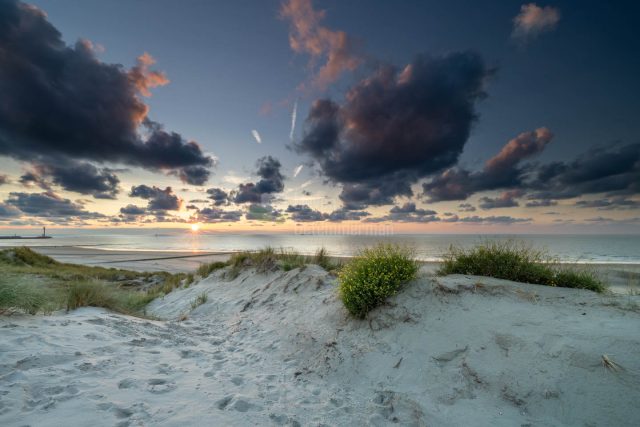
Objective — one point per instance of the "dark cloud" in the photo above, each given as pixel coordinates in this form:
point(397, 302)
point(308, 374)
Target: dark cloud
point(218, 195)
point(407, 213)
point(194, 175)
point(32, 177)
point(132, 210)
point(396, 126)
point(541, 203)
point(271, 182)
point(80, 177)
point(9, 211)
point(60, 103)
point(618, 203)
point(505, 200)
point(614, 170)
point(217, 215)
point(500, 172)
point(466, 207)
point(4, 179)
point(49, 205)
point(344, 214)
point(303, 213)
point(159, 199)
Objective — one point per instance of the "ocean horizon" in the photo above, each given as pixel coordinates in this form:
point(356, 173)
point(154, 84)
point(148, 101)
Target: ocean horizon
point(569, 248)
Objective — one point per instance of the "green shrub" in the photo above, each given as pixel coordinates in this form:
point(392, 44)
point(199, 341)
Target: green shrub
point(377, 273)
point(511, 260)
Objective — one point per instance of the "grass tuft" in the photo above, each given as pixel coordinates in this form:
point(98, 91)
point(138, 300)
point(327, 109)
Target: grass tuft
point(200, 299)
point(206, 269)
point(34, 283)
point(518, 262)
point(377, 273)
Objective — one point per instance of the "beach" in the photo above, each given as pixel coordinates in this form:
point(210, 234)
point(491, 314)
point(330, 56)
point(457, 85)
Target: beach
point(278, 348)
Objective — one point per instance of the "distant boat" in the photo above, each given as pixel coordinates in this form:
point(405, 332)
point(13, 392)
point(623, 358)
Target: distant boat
point(42, 236)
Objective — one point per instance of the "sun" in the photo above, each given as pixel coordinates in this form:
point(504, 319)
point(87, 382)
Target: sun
point(195, 227)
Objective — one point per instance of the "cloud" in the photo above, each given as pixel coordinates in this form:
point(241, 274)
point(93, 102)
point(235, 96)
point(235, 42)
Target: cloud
point(396, 126)
point(4, 179)
point(256, 136)
point(534, 20)
point(79, 108)
point(614, 170)
point(218, 195)
point(541, 203)
point(194, 175)
point(159, 199)
point(49, 205)
point(466, 207)
point(294, 115)
point(9, 211)
point(303, 213)
point(501, 171)
point(272, 181)
point(342, 214)
point(407, 213)
point(505, 200)
point(217, 215)
point(263, 212)
point(297, 170)
point(133, 210)
point(80, 177)
point(334, 49)
point(618, 203)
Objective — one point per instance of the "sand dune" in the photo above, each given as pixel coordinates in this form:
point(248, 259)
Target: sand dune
point(279, 349)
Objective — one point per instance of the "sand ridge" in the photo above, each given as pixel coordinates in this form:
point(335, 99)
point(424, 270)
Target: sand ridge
point(279, 349)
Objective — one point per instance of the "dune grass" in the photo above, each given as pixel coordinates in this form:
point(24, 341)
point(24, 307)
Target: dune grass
point(373, 276)
point(516, 261)
point(268, 259)
point(35, 283)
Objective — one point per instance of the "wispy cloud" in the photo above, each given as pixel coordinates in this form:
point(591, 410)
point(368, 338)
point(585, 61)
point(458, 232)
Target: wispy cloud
point(534, 20)
point(294, 115)
point(256, 136)
point(297, 170)
point(334, 48)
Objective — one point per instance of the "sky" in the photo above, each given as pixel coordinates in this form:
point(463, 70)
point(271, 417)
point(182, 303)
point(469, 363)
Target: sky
point(283, 115)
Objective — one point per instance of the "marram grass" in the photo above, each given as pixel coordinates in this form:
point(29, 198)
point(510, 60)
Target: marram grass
point(512, 260)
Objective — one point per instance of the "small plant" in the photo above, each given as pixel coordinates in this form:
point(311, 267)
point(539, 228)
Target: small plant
point(206, 269)
point(377, 273)
point(518, 262)
point(200, 299)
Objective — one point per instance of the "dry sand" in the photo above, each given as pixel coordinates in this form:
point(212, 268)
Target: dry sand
point(279, 349)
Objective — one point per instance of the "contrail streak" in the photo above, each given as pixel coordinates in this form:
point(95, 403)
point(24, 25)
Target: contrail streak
point(297, 170)
point(294, 114)
point(256, 135)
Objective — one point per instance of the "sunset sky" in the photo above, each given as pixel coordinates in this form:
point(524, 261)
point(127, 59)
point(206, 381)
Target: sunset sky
point(459, 116)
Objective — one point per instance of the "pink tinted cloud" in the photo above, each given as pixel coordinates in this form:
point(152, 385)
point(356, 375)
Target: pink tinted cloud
point(334, 49)
point(534, 20)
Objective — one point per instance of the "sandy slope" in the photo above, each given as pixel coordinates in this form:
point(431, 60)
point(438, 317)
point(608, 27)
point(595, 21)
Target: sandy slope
point(278, 349)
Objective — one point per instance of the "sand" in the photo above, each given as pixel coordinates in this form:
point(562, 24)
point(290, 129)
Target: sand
point(279, 349)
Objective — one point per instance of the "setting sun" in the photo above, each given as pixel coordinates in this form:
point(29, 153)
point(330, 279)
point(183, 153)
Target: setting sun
point(195, 227)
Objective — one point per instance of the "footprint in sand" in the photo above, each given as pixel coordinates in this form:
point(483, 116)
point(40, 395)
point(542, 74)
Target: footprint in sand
point(236, 403)
point(158, 385)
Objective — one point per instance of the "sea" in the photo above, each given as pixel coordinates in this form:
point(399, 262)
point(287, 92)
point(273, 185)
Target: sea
point(596, 249)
